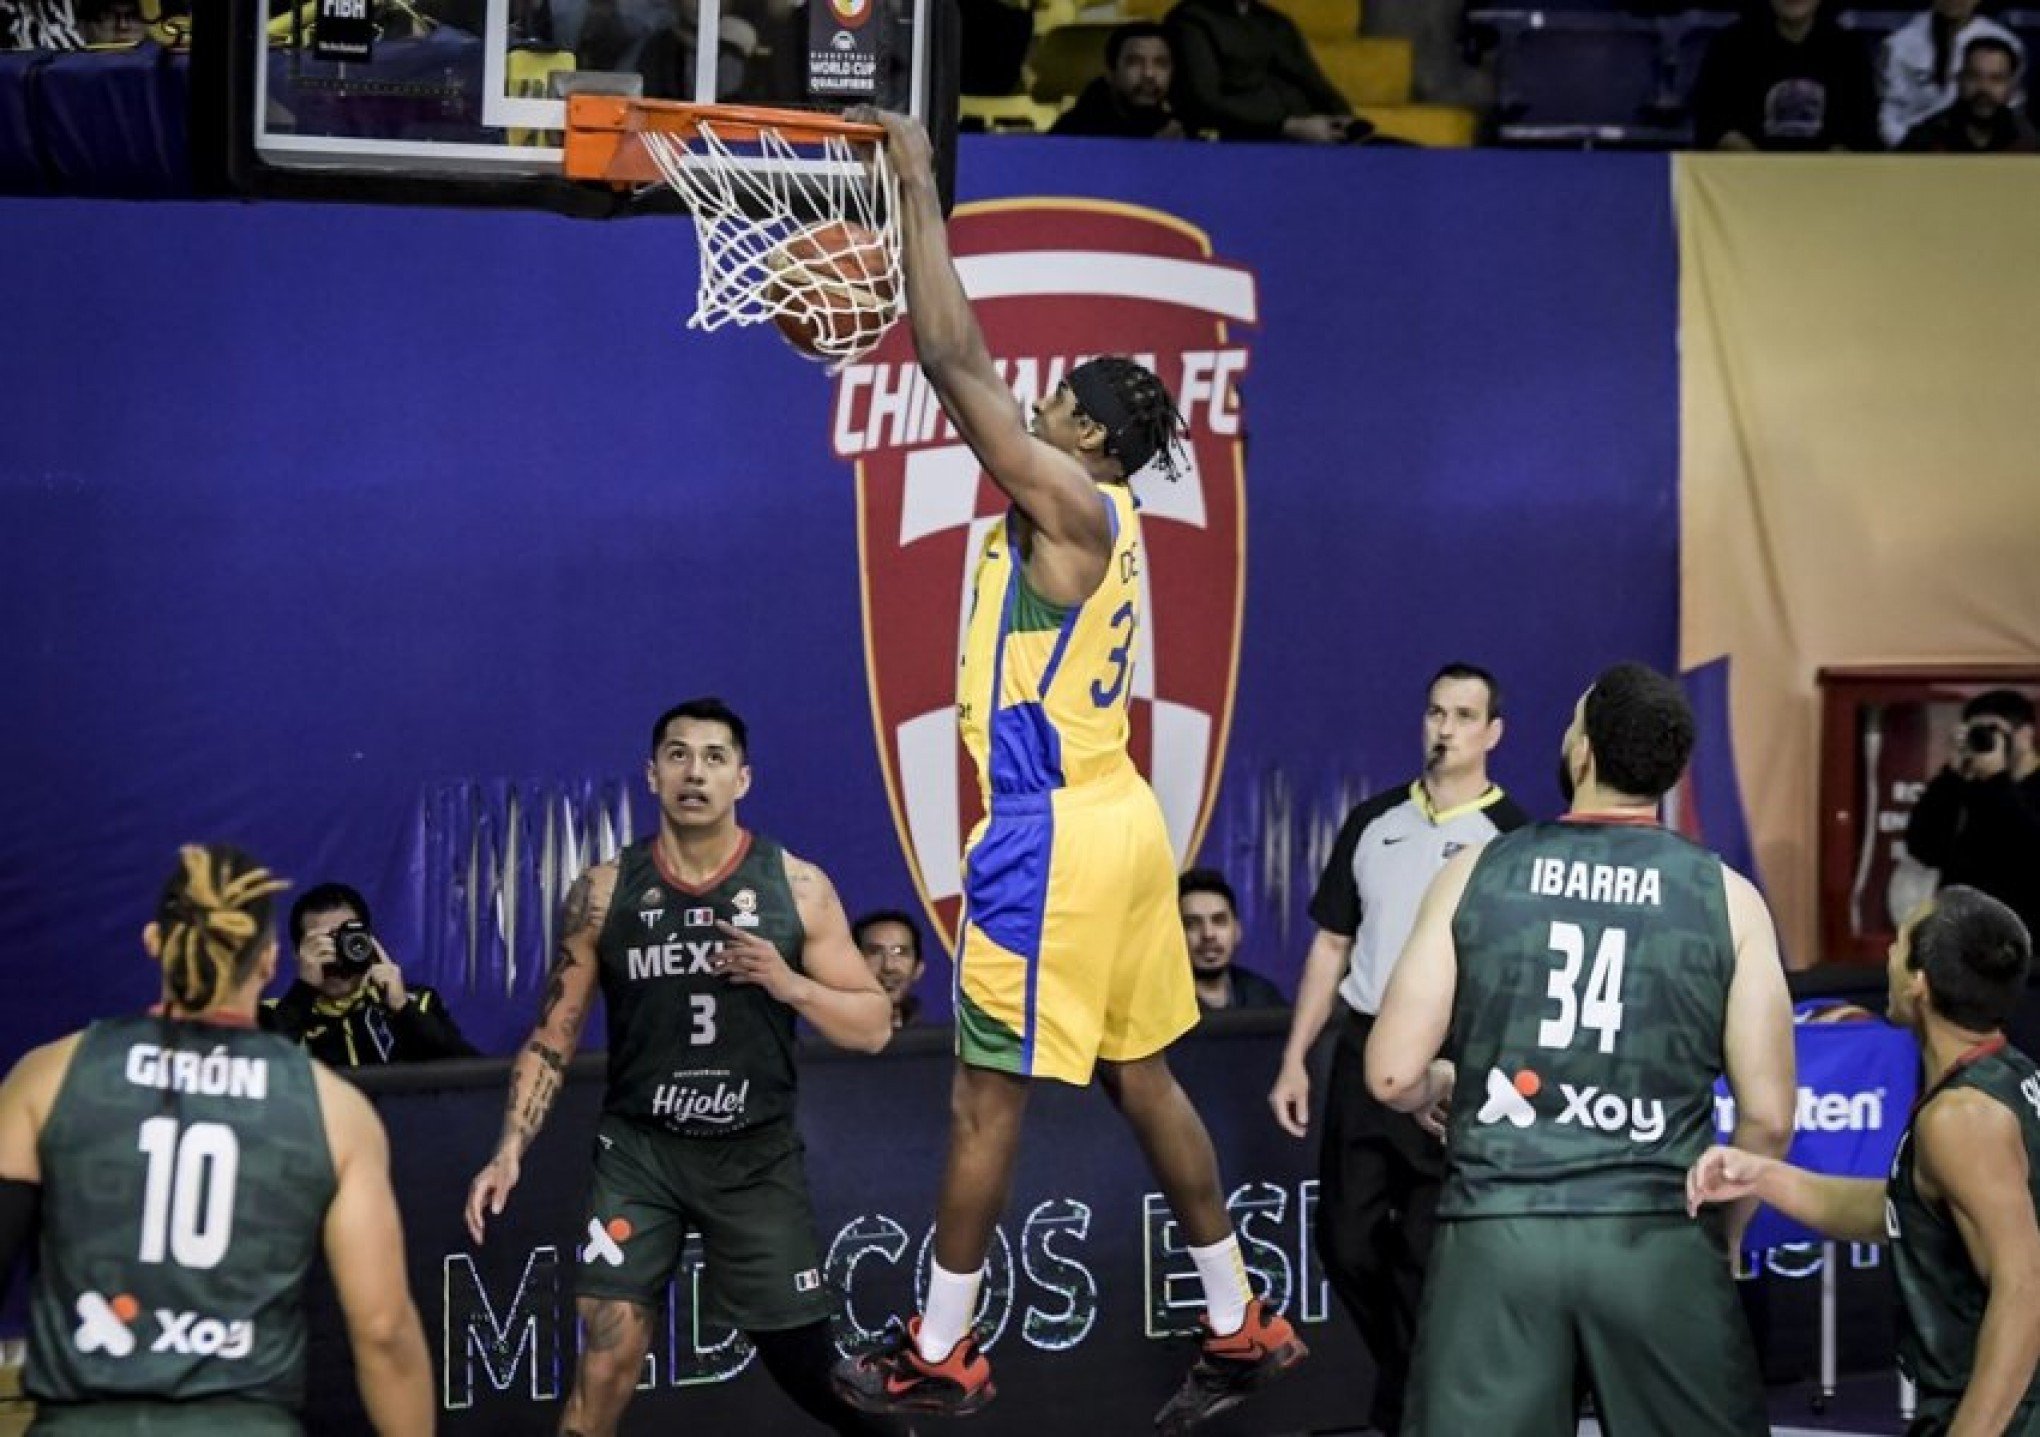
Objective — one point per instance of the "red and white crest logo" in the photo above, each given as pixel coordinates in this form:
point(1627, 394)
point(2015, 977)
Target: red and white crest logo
point(1053, 282)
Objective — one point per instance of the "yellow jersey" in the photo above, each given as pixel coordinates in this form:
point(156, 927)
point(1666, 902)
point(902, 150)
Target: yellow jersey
point(1042, 696)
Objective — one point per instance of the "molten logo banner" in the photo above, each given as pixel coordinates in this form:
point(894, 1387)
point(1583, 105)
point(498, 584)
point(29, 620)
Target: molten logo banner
point(1053, 282)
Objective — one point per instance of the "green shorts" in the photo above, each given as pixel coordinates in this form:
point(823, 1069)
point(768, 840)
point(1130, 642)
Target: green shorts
point(201, 1417)
point(1521, 1313)
point(745, 1194)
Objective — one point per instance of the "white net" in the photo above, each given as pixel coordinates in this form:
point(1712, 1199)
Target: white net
point(808, 242)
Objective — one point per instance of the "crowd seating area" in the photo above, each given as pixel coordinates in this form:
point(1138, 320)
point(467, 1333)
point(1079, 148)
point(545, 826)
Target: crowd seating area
point(1587, 74)
point(1374, 73)
point(1597, 75)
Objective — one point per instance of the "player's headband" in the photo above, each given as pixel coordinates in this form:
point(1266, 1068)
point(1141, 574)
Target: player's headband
point(1096, 396)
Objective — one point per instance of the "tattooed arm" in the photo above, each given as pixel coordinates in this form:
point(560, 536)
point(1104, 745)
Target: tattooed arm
point(541, 1067)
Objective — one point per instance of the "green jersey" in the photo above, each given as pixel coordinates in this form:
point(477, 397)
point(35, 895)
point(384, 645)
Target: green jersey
point(1594, 966)
point(185, 1180)
point(689, 1051)
point(1941, 1297)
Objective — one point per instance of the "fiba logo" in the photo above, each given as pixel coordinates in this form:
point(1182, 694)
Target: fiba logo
point(850, 13)
point(1054, 282)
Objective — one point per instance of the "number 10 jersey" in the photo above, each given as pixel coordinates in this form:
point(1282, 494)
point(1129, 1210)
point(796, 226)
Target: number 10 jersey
point(185, 1177)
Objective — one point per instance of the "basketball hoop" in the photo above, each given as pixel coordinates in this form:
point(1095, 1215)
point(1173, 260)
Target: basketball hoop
point(796, 213)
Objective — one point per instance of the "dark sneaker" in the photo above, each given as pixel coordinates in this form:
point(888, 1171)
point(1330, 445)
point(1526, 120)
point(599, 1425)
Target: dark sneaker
point(896, 1379)
point(1232, 1368)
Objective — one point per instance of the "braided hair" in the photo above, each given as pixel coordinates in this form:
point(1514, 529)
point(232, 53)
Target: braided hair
point(214, 920)
point(1139, 417)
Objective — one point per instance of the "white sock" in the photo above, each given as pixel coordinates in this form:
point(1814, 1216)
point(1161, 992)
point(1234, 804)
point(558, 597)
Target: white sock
point(952, 1303)
point(1224, 1275)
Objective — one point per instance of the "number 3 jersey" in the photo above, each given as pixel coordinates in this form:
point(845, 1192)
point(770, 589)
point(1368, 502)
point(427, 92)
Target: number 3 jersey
point(185, 1178)
point(690, 1051)
point(1042, 697)
point(1594, 966)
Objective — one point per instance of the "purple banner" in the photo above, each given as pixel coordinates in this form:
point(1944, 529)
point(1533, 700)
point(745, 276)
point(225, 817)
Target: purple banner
point(385, 576)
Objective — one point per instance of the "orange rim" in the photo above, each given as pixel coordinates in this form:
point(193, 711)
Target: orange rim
point(604, 138)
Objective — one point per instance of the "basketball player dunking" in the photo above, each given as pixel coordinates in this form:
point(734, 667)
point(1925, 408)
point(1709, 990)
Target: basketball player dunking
point(1072, 957)
point(188, 1166)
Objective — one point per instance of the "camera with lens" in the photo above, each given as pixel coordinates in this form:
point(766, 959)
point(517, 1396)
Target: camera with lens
point(1983, 737)
point(353, 950)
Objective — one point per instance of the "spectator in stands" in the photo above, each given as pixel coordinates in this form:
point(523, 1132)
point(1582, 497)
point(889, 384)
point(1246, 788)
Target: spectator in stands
point(1211, 926)
point(1131, 99)
point(1978, 820)
point(1244, 70)
point(1918, 67)
point(1786, 78)
point(350, 1006)
point(891, 943)
point(111, 23)
point(1981, 121)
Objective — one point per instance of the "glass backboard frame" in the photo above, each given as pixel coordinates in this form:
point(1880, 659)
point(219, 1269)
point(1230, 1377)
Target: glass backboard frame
point(285, 161)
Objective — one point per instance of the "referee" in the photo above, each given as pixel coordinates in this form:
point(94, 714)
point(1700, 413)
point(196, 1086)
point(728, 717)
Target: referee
point(1378, 1172)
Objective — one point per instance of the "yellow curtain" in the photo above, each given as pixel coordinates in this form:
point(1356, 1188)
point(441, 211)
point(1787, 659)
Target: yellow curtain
point(1860, 445)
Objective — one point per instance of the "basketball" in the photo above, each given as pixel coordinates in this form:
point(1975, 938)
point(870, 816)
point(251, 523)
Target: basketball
point(833, 287)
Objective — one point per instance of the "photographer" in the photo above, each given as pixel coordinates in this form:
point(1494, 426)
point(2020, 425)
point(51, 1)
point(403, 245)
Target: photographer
point(1978, 821)
point(350, 1006)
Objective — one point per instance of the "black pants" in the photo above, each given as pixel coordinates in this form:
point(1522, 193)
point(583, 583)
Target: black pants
point(1378, 1180)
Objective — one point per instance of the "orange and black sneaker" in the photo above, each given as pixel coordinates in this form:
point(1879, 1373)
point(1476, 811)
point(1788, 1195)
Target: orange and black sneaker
point(1232, 1368)
point(895, 1379)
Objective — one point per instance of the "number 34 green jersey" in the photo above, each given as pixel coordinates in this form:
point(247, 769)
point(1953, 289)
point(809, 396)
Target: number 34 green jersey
point(1594, 965)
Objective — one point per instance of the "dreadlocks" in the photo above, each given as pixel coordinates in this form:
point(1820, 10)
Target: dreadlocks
point(214, 918)
point(1140, 418)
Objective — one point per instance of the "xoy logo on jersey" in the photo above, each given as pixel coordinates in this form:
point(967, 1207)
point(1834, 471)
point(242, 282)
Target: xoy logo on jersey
point(103, 1325)
point(1508, 1099)
point(1641, 1120)
point(108, 1325)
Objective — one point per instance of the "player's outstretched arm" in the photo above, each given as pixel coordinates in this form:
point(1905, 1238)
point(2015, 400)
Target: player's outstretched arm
point(1048, 485)
point(364, 1241)
point(540, 1070)
point(835, 989)
point(1416, 1012)
point(1845, 1209)
point(1970, 1149)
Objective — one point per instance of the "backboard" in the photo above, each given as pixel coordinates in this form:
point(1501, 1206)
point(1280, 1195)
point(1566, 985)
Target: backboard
point(465, 100)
